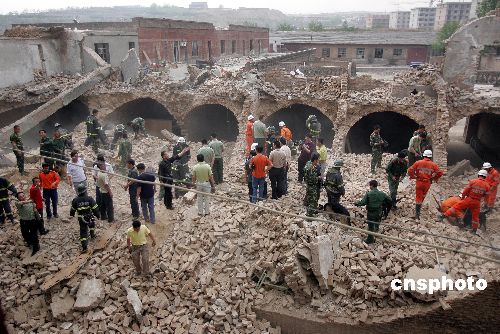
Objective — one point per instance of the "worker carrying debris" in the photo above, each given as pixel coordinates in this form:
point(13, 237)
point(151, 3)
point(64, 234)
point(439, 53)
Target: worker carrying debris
point(138, 125)
point(95, 134)
point(249, 135)
point(334, 185)
point(118, 133)
point(312, 178)
point(396, 171)
point(5, 209)
point(425, 172)
point(65, 135)
point(493, 179)
point(18, 148)
point(374, 200)
point(377, 144)
point(285, 132)
point(86, 210)
point(471, 197)
point(314, 127)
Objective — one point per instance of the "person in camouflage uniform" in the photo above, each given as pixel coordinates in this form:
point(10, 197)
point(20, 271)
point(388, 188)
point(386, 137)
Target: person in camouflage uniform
point(124, 150)
point(334, 185)
point(66, 135)
point(59, 147)
point(118, 134)
point(93, 132)
point(312, 178)
point(373, 200)
point(377, 144)
point(18, 148)
point(271, 137)
point(314, 127)
point(396, 171)
point(46, 148)
point(138, 125)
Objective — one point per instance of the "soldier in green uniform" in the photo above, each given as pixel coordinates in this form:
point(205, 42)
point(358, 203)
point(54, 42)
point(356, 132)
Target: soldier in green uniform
point(46, 148)
point(124, 150)
point(396, 171)
point(138, 125)
point(58, 149)
point(66, 135)
point(118, 134)
point(18, 148)
point(377, 144)
point(334, 185)
point(374, 200)
point(271, 137)
point(314, 127)
point(93, 127)
point(312, 178)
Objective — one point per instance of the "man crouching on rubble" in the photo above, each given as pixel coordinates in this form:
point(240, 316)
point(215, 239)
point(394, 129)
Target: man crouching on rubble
point(138, 248)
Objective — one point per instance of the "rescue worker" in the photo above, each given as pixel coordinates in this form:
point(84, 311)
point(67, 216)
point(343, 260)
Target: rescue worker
point(118, 134)
point(259, 132)
point(285, 132)
point(66, 135)
point(218, 165)
point(124, 150)
point(493, 179)
point(93, 131)
point(5, 209)
point(180, 168)
point(18, 148)
point(426, 142)
point(165, 175)
point(307, 148)
point(425, 172)
point(138, 125)
point(455, 218)
point(248, 135)
point(59, 147)
point(396, 171)
point(374, 200)
point(312, 178)
point(271, 138)
point(377, 144)
point(313, 127)
point(86, 210)
point(415, 148)
point(46, 148)
point(334, 185)
point(471, 196)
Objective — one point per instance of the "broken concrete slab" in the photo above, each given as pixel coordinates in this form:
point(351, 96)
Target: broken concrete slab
point(322, 257)
point(60, 307)
point(134, 302)
point(415, 273)
point(89, 295)
point(129, 67)
point(459, 168)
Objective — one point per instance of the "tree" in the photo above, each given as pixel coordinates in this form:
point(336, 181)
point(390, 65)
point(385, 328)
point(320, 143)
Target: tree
point(446, 31)
point(315, 26)
point(485, 6)
point(285, 27)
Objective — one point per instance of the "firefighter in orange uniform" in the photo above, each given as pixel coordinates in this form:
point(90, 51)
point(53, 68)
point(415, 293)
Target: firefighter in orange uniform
point(476, 190)
point(249, 134)
point(285, 131)
point(424, 171)
point(493, 179)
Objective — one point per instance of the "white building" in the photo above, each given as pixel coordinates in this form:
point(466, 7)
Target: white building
point(473, 8)
point(399, 20)
point(422, 18)
point(451, 12)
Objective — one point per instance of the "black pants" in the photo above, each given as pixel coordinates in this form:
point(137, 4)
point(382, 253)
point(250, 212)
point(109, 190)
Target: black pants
point(301, 164)
point(134, 204)
point(86, 226)
point(5, 211)
point(167, 195)
point(41, 223)
point(285, 180)
point(50, 196)
point(276, 178)
point(29, 231)
point(334, 201)
point(106, 207)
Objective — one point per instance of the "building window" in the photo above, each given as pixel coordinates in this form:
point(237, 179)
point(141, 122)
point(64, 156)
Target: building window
point(102, 49)
point(360, 53)
point(233, 46)
point(342, 53)
point(194, 48)
point(251, 44)
point(397, 52)
point(379, 53)
point(222, 47)
point(325, 53)
point(131, 45)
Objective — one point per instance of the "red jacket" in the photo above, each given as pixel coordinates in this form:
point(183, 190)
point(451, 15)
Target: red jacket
point(425, 170)
point(36, 197)
point(476, 189)
point(48, 179)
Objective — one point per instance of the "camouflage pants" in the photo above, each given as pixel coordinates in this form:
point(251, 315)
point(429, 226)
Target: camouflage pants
point(393, 189)
point(376, 160)
point(20, 162)
point(311, 201)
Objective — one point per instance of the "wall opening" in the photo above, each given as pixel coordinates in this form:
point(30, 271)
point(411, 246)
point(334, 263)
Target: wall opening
point(11, 116)
point(481, 133)
point(206, 119)
point(457, 148)
point(397, 130)
point(154, 113)
point(295, 117)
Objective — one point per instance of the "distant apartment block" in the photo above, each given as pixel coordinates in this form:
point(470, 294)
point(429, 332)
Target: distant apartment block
point(422, 18)
point(473, 9)
point(377, 21)
point(399, 20)
point(198, 5)
point(451, 12)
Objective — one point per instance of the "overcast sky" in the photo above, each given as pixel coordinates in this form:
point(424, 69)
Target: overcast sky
point(286, 6)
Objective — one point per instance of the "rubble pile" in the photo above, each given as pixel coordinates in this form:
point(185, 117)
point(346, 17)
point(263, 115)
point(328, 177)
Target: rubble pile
point(32, 32)
point(424, 75)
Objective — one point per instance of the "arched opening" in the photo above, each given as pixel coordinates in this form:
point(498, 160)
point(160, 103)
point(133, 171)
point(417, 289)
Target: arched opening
point(11, 116)
point(457, 148)
point(154, 113)
point(295, 117)
point(206, 119)
point(397, 130)
point(68, 116)
point(481, 133)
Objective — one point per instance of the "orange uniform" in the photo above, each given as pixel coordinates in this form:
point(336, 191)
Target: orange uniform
point(48, 179)
point(450, 202)
point(249, 136)
point(493, 179)
point(286, 133)
point(424, 171)
point(472, 194)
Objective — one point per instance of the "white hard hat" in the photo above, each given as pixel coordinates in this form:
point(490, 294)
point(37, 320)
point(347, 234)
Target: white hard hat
point(427, 153)
point(281, 123)
point(250, 117)
point(487, 165)
point(181, 140)
point(482, 172)
point(254, 146)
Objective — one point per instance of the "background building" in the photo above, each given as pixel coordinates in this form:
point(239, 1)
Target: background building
point(422, 18)
point(198, 5)
point(377, 21)
point(473, 9)
point(399, 20)
point(451, 12)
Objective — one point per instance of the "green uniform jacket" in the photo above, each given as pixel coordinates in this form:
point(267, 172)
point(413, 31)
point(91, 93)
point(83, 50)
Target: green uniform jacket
point(373, 200)
point(125, 150)
point(46, 147)
point(58, 146)
point(396, 168)
point(375, 140)
point(334, 182)
point(19, 142)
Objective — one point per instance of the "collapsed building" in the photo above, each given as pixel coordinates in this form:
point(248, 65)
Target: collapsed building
point(244, 269)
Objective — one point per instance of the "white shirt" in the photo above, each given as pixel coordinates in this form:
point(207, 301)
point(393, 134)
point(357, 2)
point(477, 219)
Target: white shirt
point(76, 171)
point(96, 169)
point(287, 151)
